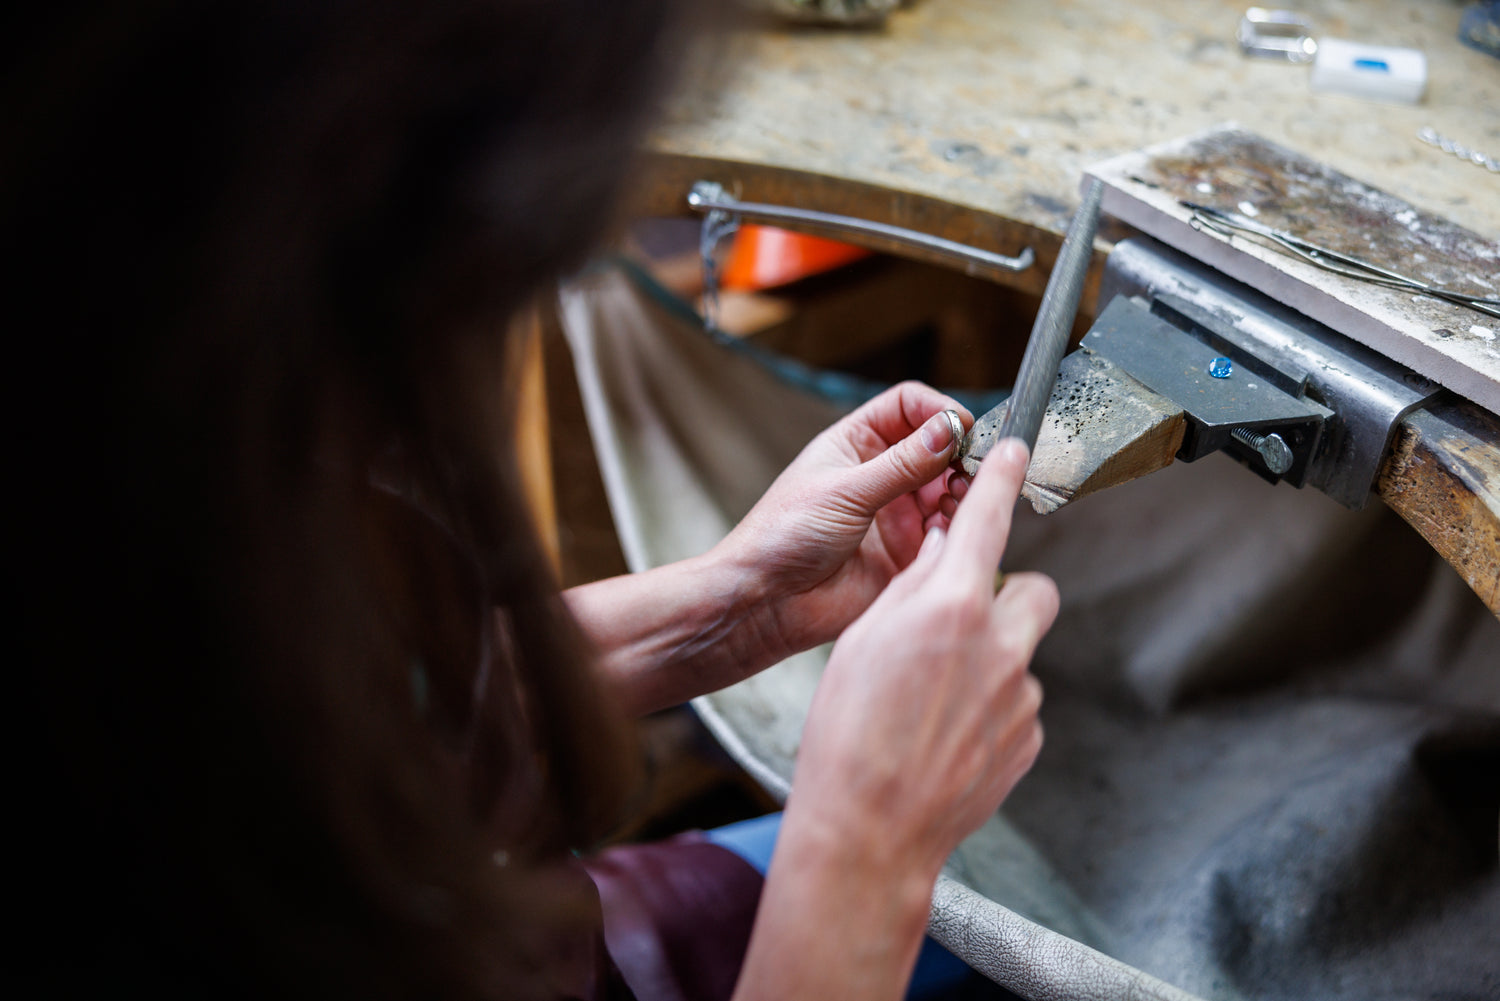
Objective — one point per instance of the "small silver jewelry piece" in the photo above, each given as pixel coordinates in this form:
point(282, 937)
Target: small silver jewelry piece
point(1431, 137)
point(955, 425)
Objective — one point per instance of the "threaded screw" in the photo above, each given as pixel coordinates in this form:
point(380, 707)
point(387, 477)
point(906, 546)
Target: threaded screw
point(1275, 453)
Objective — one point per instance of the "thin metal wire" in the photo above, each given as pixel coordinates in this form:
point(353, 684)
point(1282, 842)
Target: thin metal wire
point(1227, 224)
point(710, 197)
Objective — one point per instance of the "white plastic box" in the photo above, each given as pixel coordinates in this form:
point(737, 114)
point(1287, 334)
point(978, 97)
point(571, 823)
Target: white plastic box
point(1379, 72)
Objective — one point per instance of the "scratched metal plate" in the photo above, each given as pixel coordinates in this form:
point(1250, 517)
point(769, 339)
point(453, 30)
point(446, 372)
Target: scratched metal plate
point(1240, 172)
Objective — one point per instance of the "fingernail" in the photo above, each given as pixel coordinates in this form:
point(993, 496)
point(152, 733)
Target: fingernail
point(1015, 450)
point(958, 486)
point(933, 542)
point(937, 433)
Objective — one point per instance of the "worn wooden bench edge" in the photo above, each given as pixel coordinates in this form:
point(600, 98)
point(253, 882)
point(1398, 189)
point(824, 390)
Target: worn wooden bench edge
point(1443, 477)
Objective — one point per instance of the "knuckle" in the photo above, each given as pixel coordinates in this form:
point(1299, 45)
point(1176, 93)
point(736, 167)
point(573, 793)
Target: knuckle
point(1049, 599)
point(894, 472)
point(1038, 594)
point(947, 621)
point(957, 611)
point(977, 759)
point(906, 466)
point(1013, 653)
point(970, 609)
point(1031, 749)
point(1031, 695)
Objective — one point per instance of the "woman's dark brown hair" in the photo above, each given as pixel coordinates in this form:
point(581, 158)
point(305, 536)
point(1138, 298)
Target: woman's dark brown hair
point(306, 716)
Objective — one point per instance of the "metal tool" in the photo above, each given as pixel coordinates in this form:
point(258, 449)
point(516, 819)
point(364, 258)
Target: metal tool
point(1334, 404)
point(1021, 415)
point(1272, 448)
point(1294, 400)
point(710, 197)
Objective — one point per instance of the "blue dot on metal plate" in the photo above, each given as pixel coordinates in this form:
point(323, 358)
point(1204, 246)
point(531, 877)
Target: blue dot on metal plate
point(1220, 368)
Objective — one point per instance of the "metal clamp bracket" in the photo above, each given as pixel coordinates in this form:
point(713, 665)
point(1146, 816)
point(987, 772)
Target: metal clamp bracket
point(1334, 402)
point(1173, 362)
point(709, 196)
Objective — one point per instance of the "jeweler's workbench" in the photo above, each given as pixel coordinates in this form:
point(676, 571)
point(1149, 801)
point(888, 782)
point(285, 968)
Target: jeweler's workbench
point(974, 120)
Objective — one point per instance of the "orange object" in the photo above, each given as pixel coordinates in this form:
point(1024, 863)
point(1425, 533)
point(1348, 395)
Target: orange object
point(764, 257)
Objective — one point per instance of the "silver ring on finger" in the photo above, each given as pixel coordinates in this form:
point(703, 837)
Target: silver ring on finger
point(955, 425)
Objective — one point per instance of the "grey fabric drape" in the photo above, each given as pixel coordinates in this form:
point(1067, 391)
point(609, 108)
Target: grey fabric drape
point(1272, 766)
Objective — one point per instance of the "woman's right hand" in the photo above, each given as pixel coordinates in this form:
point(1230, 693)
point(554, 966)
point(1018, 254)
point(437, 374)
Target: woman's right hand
point(926, 716)
point(924, 720)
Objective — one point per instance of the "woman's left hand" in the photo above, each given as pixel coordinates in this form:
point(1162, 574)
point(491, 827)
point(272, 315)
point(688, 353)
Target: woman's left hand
point(850, 513)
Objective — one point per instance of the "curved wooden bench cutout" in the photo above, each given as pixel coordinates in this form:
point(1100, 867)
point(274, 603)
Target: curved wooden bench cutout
point(1443, 476)
point(665, 178)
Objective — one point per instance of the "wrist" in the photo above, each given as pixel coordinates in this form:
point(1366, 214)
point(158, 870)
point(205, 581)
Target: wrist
point(666, 635)
point(867, 842)
point(863, 902)
point(757, 599)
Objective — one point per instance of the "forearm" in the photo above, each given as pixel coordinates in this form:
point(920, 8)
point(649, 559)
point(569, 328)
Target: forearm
point(840, 917)
point(678, 631)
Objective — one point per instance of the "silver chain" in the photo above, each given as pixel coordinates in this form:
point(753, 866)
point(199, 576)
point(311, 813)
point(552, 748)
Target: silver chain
point(1431, 137)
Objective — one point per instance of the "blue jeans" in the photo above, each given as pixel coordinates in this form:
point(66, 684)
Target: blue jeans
point(937, 971)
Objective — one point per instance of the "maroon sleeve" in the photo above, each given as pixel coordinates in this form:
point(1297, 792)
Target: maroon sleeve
point(677, 916)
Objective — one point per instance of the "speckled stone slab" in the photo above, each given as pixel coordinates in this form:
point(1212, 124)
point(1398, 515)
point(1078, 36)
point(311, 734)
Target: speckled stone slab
point(1237, 171)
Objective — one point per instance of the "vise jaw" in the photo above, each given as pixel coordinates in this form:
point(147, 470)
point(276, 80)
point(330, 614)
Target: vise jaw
point(1243, 368)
